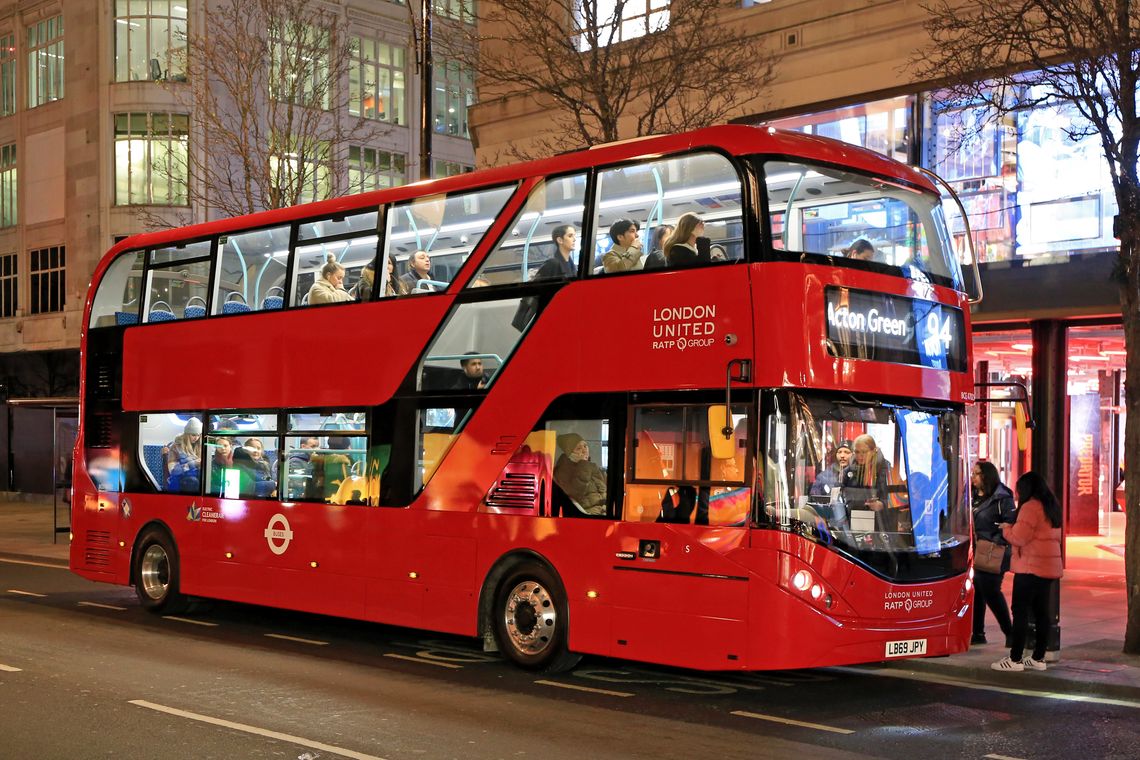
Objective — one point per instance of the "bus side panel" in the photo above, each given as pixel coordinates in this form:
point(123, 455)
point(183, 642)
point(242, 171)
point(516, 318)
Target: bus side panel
point(278, 359)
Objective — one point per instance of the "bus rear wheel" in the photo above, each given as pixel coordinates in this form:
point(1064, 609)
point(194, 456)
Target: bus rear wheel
point(531, 621)
point(156, 573)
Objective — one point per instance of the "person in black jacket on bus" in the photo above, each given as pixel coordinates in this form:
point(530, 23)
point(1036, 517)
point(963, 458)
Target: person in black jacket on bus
point(993, 505)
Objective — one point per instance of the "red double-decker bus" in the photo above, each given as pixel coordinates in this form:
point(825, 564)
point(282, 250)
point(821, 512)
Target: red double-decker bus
point(695, 400)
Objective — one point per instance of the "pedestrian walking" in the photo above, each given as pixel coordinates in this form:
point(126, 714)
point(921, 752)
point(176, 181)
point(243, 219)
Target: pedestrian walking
point(1036, 563)
point(993, 507)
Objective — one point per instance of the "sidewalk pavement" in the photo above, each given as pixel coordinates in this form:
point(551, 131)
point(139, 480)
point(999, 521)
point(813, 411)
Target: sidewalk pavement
point(1092, 614)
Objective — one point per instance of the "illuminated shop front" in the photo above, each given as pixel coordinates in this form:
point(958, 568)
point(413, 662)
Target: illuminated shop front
point(1040, 204)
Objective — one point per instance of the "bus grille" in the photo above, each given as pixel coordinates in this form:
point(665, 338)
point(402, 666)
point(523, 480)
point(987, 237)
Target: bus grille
point(103, 375)
point(98, 551)
point(100, 427)
point(515, 491)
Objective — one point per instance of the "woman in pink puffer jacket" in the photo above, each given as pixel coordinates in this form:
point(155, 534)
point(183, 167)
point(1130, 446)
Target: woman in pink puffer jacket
point(1036, 540)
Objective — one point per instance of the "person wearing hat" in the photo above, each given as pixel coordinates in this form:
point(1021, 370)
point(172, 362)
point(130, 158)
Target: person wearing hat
point(831, 478)
point(582, 480)
point(184, 459)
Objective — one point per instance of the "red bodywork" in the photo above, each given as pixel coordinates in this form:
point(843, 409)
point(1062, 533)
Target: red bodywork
point(714, 598)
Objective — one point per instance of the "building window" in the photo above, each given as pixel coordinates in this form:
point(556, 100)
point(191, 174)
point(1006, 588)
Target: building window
point(151, 159)
point(8, 186)
point(9, 285)
point(441, 168)
point(150, 40)
point(454, 94)
point(376, 84)
point(47, 281)
point(457, 10)
point(606, 22)
point(299, 66)
point(373, 169)
point(7, 75)
point(45, 61)
point(303, 177)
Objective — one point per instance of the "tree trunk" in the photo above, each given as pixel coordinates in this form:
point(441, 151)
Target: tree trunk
point(1129, 304)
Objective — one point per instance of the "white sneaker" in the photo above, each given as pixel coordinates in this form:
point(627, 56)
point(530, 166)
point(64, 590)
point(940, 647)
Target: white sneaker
point(1007, 664)
point(1029, 662)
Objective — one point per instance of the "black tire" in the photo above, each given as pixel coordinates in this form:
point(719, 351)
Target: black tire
point(531, 620)
point(156, 573)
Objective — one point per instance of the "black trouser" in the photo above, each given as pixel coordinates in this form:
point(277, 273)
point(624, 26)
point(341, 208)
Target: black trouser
point(1030, 595)
point(987, 593)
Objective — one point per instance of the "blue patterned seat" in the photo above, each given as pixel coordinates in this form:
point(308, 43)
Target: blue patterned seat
point(273, 302)
point(154, 462)
point(234, 307)
point(126, 318)
point(193, 312)
point(160, 315)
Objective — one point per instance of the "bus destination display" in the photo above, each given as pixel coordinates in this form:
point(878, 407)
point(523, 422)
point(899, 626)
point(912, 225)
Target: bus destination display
point(863, 324)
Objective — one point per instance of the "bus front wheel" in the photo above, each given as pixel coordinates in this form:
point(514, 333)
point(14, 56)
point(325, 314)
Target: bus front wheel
point(156, 573)
point(531, 622)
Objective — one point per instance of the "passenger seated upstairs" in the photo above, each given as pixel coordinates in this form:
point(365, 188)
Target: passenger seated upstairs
point(656, 258)
point(625, 255)
point(685, 247)
point(419, 268)
point(860, 250)
point(582, 480)
point(329, 287)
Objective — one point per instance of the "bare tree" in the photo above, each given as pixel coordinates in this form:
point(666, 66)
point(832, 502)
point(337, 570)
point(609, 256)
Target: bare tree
point(266, 124)
point(583, 60)
point(1085, 55)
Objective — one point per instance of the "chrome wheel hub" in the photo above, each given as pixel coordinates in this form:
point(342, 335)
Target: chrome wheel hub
point(530, 618)
point(154, 572)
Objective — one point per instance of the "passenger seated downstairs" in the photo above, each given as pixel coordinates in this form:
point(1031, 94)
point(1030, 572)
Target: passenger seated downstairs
point(582, 480)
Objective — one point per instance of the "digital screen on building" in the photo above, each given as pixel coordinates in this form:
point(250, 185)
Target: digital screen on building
point(863, 324)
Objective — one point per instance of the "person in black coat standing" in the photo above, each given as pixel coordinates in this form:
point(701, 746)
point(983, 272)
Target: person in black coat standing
point(993, 505)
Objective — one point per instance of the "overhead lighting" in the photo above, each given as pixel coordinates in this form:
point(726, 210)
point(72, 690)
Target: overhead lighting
point(1089, 358)
point(1023, 346)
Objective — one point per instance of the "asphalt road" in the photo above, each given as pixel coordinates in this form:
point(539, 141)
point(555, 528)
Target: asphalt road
point(86, 673)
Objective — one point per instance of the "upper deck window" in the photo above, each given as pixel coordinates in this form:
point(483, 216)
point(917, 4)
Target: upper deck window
point(179, 279)
point(868, 222)
point(544, 239)
point(251, 271)
point(349, 242)
point(653, 197)
point(117, 299)
point(443, 230)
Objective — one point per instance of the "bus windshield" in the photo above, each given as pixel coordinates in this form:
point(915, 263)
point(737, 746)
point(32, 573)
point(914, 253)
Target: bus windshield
point(883, 483)
point(866, 221)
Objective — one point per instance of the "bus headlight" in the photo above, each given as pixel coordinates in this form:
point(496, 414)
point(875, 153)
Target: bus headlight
point(801, 581)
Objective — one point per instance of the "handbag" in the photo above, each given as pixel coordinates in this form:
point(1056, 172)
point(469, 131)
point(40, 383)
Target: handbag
point(988, 556)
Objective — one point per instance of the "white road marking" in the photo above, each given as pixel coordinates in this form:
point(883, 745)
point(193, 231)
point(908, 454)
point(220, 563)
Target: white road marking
point(256, 731)
point(948, 681)
point(9, 669)
point(590, 689)
point(1002, 757)
point(314, 642)
point(790, 722)
point(33, 564)
point(26, 593)
point(101, 606)
point(189, 620)
point(409, 658)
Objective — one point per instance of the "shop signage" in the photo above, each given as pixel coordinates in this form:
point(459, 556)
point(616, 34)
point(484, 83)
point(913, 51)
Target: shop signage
point(863, 324)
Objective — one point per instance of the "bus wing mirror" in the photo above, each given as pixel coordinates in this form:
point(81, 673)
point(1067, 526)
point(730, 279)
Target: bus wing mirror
point(1021, 424)
point(721, 439)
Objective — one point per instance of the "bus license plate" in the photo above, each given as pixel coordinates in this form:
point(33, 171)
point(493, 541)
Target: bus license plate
point(906, 648)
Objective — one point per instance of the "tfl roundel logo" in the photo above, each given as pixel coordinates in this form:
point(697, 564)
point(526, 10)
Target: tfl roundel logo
point(278, 534)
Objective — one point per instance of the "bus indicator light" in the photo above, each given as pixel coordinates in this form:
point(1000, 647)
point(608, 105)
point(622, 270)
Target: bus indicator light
point(591, 594)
